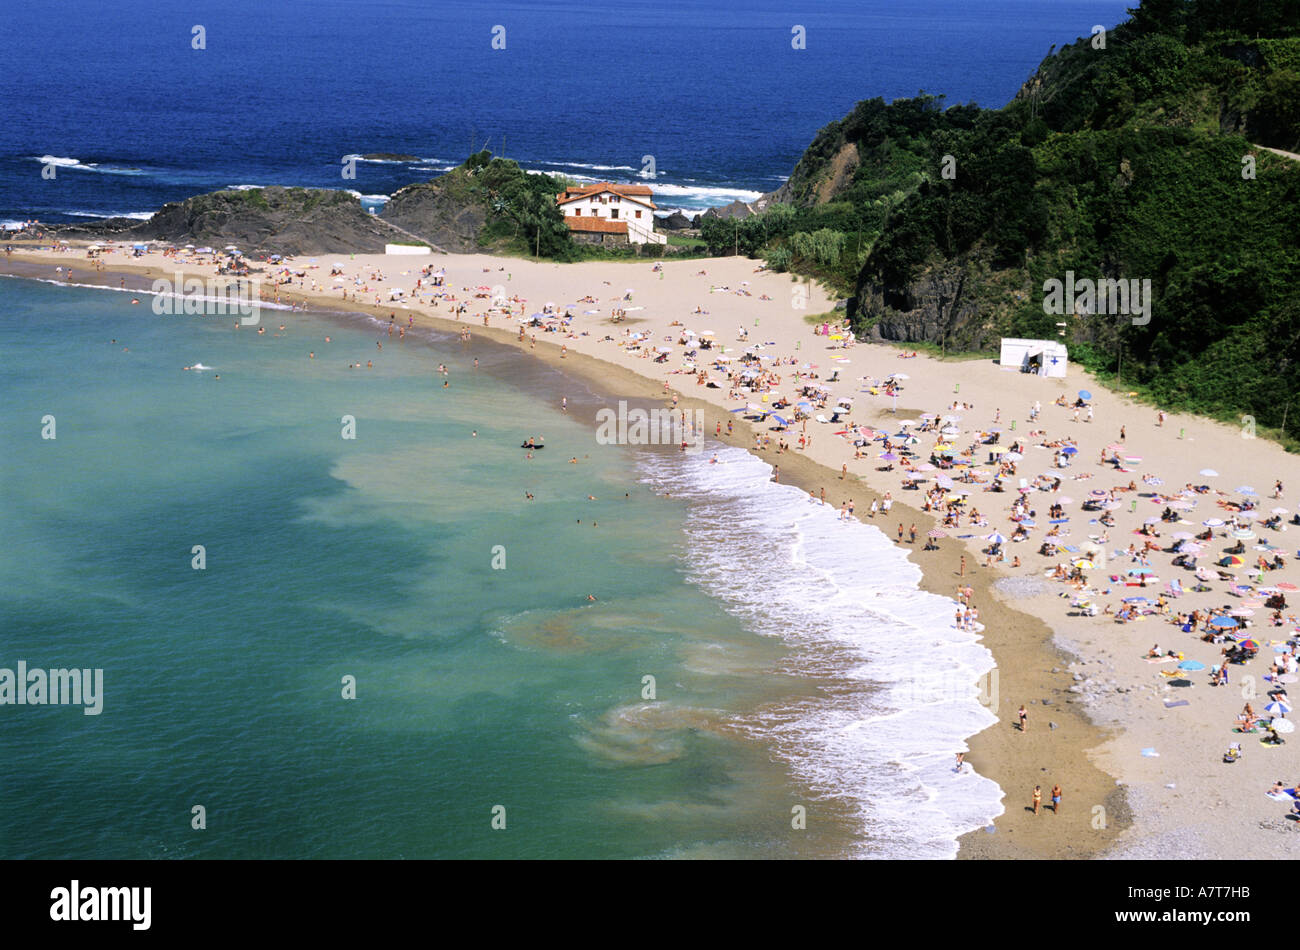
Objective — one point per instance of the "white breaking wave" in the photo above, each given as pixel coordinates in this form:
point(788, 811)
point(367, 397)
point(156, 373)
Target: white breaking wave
point(711, 194)
point(63, 162)
point(136, 215)
point(138, 292)
point(901, 694)
point(599, 168)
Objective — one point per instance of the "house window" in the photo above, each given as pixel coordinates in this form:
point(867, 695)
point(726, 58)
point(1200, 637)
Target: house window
point(577, 212)
point(613, 212)
point(638, 214)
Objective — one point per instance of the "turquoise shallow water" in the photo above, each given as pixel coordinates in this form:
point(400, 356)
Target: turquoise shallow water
point(369, 557)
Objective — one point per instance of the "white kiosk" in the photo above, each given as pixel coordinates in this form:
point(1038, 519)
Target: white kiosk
point(1040, 357)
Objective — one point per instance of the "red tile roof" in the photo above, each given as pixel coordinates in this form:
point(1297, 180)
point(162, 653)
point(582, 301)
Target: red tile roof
point(595, 225)
point(636, 192)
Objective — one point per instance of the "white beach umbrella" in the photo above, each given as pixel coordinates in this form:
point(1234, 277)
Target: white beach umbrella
point(1209, 473)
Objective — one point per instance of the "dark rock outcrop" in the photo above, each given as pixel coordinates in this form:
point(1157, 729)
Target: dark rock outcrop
point(440, 214)
point(295, 221)
point(938, 305)
point(673, 222)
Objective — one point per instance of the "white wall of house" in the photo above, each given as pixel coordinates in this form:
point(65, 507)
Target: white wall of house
point(639, 217)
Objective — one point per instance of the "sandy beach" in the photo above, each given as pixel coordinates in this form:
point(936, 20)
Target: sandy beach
point(1136, 745)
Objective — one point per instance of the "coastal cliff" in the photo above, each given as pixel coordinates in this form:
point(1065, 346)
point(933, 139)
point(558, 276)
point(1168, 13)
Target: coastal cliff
point(1159, 154)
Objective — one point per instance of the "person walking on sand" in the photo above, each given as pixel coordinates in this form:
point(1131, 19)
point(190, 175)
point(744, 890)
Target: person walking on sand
point(912, 534)
point(1056, 799)
point(963, 566)
point(900, 532)
point(1038, 798)
point(1023, 716)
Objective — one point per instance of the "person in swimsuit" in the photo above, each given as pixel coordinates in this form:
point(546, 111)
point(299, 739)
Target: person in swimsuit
point(1038, 798)
point(1056, 799)
point(1024, 718)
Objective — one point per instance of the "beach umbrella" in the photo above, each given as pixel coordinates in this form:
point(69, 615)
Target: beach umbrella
point(995, 537)
point(1249, 645)
point(1243, 535)
point(1069, 450)
point(1084, 394)
point(1282, 725)
point(1098, 493)
point(1132, 458)
point(1153, 480)
point(1191, 665)
point(888, 456)
point(1213, 522)
point(1232, 561)
point(1223, 620)
point(1245, 490)
point(1209, 472)
point(1242, 612)
point(1083, 564)
point(1284, 585)
point(1277, 708)
point(1279, 511)
point(936, 533)
point(943, 481)
point(1183, 536)
point(1012, 456)
point(895, 375)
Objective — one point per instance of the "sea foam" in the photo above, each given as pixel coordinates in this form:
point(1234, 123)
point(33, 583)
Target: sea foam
point(900, 693)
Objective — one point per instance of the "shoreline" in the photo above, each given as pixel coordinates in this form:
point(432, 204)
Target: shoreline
point(1021, 645)
point(1035, 658)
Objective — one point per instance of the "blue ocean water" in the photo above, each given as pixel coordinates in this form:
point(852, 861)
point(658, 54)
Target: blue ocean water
point(794, 661)
point(283, 91)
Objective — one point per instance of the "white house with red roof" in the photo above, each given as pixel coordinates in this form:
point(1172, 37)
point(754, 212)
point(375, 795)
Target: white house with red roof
point(605, 213)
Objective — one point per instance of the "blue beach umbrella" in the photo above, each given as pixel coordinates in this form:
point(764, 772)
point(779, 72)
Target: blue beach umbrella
point(1223, 620)
point(1191, 665)
point(1069, 450)
point(1084, 394)
point(779, 419)
point(1277, 708)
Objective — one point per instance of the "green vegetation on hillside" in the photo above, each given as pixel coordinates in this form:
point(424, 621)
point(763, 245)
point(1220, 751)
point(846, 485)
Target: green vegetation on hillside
point(523, 217)
point(1132, 159)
